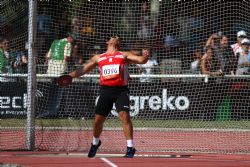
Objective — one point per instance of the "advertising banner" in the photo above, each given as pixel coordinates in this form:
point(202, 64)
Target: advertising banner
point(164, 100)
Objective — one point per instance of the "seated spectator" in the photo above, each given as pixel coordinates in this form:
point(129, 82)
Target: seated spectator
point(18, 58)
point(223, 52)
point(63, 25)
point(75, 27)
point(171, 41)
point(213, 40)
point(44, 22)
point(240, 36)
point(4, 55)
point(59, 54)
point(226, 56)
point(20, 64)
point(76, 57)
point(145, 30)
point(195, 65)
point(6, 62)
point(147, 69)
point(45, 32)
point(243, 55)
point(88, 27)
point(209, 63)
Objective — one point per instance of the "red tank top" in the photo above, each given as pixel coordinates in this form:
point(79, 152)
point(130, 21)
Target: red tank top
point(113, 70)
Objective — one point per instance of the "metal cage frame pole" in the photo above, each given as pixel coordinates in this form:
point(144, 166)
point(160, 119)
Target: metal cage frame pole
point(31, 78)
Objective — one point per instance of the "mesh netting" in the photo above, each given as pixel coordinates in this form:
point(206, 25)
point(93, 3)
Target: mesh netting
point(173, 106)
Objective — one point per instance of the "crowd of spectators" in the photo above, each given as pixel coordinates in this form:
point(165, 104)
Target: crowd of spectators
point(220, 58)
point(13, 58)
point(179, 36)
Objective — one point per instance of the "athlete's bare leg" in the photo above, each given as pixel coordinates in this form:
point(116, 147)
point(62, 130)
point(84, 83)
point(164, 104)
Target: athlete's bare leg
point(98, 125)
point(126, 124)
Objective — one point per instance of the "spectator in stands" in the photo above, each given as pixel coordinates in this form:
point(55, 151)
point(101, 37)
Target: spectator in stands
point(223, 52)
point(226, 56)
point(76, 27)
point(209, 63)
point(213, 40)
point(6, 61)
point(195, 64)
point(44, 22)
point(57, 58)
point(77, 58)
point(76, 55)
point(44, 32)
point(6, 27)
point(20, 60)
point(87, 33)
point(88, 30)
point(191, 27)
point(3, 55)
point(144, 12)
point(59, 54)
point(243, 55)
point(148, 69)
point(63, 25)
point(158, 39)
point(171, 40)
point(240, 36)
point(6, 65)
point(145, 31)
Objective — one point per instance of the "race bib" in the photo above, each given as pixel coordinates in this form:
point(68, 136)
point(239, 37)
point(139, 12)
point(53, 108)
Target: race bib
point(110, 71)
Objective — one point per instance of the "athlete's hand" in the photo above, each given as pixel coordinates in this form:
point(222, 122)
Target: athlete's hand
point(146, 52)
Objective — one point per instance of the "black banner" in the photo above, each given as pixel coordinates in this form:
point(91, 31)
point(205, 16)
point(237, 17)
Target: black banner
point(161, 100)
point(13, 98)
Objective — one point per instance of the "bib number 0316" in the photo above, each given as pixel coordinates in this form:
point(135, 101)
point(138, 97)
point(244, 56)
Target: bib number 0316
point(110, 70)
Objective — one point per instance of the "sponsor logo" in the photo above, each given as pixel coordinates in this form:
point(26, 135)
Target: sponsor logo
point(15, 102)
point(15, 105)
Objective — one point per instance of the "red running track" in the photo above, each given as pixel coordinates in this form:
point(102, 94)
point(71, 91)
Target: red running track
point(48, 159)
point(158, 141)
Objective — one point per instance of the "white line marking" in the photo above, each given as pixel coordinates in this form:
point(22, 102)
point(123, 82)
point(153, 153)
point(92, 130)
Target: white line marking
point(109, 162)
point(108, 155)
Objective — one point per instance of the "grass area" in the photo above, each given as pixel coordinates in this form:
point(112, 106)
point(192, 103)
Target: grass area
point(242, 124)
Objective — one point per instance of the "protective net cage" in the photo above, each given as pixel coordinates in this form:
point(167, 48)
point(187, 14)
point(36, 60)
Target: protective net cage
point(174, 106)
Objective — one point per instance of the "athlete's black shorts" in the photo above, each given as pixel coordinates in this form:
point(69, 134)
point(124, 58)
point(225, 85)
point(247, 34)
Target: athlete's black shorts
point(109, 96)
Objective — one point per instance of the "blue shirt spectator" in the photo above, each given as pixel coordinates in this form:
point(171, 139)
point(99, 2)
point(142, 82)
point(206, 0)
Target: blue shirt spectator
point(44, 22)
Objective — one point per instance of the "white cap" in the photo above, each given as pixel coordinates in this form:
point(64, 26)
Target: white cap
point(245, 40)
point(241, 33)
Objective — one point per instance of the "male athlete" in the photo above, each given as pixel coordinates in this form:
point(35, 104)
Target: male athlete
point(114, 77)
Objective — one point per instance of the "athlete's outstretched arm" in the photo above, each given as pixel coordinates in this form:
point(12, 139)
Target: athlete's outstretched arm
point(137, 59)
point(91, 64)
